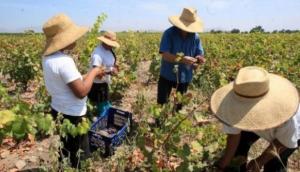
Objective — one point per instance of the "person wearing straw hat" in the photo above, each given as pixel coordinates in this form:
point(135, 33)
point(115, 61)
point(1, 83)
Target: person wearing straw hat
point(104, 56)
point(66, 86)
point(182, 37)
point(257, 105)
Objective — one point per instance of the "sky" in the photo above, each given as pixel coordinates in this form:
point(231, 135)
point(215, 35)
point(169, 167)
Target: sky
point(151, 15)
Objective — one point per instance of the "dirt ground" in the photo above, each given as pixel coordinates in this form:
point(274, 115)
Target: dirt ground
point(141, 85)
point(29, 155)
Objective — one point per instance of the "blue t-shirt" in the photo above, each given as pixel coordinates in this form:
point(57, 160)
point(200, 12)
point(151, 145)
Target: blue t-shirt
point(174, 43)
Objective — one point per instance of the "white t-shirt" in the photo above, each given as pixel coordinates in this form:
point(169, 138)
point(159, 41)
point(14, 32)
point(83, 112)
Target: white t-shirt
point(59, 70)
point(287, 133)
point(105, 58)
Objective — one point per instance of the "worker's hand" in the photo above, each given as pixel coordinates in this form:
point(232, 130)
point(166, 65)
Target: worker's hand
point(188, 60)
point(111, 71)
point(115, 70)
point(200, 59)
point(100, 71)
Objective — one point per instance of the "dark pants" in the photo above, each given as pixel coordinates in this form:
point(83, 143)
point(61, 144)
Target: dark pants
point(71, 144)
point(165, 87)
point(274, 165)
point(99, 93)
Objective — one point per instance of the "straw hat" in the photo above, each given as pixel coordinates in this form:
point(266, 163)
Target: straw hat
point(188, 21)
point(256, 100)
point(110, 38)
point(60, 32)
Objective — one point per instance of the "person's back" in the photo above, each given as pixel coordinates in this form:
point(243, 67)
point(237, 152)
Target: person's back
point(59, 69)
point(66, 86)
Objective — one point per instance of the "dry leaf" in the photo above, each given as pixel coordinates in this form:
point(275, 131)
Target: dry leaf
point(31, 138)
point(174, 162)
point(13, 170)
point(151, 120)
point(8, 142)
point(20, 164)
point(2, 167)
point(33, 159)
point(137, 157)
point(4, 154)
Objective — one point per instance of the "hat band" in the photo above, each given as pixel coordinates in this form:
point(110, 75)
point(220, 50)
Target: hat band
point(251, 97)
point(187, 19)
point(110, 38)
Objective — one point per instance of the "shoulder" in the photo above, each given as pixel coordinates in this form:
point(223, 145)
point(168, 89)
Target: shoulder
point(290, 127)
point(287, 133)
point(297, 118)
point(98, 50)
point(168, 34)
point(58, 57)
point(170, 30)
point(99, 47)
point(196, 36)
point(66, 58)
point(294, 120)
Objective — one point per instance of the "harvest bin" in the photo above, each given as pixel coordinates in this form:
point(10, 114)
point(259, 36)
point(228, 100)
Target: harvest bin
point(110, 130)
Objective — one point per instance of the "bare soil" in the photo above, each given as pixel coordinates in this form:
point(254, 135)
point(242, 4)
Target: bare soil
point(29, 155)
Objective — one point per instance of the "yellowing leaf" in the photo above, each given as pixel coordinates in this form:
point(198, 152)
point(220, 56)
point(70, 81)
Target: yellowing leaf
point(6, 116)
point(196, 147)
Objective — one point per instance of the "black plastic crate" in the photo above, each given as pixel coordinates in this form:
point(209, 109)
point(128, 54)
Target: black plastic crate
point(99, 135)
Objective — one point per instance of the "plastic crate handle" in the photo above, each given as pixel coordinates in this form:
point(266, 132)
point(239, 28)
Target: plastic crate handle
point(120, 112)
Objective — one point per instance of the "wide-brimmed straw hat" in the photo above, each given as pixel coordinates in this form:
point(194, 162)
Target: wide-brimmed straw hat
point(188, 21)
point(110, 38)
point(60, 32)
point(256, 100)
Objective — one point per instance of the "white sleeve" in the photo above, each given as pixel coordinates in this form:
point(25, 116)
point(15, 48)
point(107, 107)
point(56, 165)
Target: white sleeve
point(286, 134)
point(96, 60)
point(230, 130)
point(69, 72)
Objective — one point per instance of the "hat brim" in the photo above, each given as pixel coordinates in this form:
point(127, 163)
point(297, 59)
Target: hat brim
point(253, 114)
point(64, 39)
point(193, 27)
point(109, 42)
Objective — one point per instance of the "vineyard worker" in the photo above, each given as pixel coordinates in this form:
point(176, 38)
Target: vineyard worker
point(180, 38)
point(104, 56)
point(66, 86)
point(257, 105)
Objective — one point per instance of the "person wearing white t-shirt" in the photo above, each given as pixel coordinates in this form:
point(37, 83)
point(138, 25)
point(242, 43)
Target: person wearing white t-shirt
point(257, 105)
point(66, 86)
point(104, 56)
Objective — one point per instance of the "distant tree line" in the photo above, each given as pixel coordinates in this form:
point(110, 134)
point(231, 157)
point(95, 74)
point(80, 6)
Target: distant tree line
point(256, 29)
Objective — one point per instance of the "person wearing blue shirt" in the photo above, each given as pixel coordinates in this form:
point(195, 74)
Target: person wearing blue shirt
point(182, 38)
